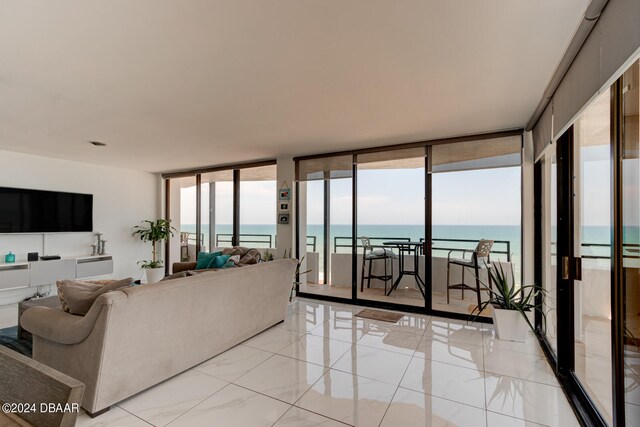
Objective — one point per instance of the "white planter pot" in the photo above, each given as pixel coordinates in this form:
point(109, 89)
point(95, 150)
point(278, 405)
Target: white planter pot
point(510, 325)
point(154, 275)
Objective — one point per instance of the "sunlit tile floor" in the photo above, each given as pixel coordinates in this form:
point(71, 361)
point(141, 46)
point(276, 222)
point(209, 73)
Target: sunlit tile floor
point(325, 367)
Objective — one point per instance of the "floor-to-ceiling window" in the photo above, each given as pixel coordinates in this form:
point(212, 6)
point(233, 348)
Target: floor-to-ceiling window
point(216, 207)
point(471, 193)
point(549, 238)
point(630, 173)
point(186, 222)
point(324, 194)
point(391, 218)
point(476, 196)
point(589, 248)
point(592, 244)
point(258, 200)
point(222, 207)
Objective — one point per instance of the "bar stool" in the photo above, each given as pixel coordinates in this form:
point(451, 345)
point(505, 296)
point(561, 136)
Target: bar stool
point(370, 254)
point(480, 259)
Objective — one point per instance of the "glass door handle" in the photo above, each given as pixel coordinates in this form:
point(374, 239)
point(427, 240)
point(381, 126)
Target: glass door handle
point(577, 268)
point(577, 264)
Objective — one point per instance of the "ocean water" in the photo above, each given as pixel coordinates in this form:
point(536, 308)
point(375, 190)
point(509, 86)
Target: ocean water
point(341, 237)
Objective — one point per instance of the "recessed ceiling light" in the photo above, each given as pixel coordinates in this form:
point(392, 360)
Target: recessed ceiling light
point(98, 143)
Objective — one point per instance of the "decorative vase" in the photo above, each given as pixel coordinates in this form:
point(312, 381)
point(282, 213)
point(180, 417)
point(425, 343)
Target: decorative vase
point(154, 275)
point(510, 325)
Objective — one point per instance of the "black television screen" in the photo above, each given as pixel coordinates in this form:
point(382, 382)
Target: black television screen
point(37, 211)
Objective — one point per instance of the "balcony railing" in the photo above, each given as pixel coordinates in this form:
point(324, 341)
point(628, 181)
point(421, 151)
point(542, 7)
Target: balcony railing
point(629, 250)
point(503, 248)
point(246, 239)
point(187, 237)
point(222, 239)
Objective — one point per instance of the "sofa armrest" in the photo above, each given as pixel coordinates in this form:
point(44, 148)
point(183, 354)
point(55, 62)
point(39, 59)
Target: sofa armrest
point(183, 266)
point(64, 328)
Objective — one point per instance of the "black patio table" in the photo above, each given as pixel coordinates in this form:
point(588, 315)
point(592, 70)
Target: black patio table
point(407, 248)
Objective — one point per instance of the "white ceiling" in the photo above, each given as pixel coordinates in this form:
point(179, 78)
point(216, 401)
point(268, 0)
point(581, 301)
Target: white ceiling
point(170, 85)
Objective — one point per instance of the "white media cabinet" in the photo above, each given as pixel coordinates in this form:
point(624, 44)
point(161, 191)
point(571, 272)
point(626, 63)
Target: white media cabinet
point(24, 274)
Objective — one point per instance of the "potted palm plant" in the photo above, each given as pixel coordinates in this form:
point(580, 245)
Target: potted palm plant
point(155, 232)
point(510, 304)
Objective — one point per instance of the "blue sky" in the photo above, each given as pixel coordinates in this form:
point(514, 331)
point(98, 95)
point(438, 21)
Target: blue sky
point(386, 196)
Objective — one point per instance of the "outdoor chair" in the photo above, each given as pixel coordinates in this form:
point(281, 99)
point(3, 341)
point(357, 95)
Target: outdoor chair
point(370, 255)
point(480, 259)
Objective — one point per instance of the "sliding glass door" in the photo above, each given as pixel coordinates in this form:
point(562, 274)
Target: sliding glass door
point(476, 196)
point(415, 209)
point(324, 189)
point(588, 189)
point(222, 207)
point(391, 227)
point(548, 223)
point(592, 251)
point(216, 205)
point(185, 219)
point(258, 207)
point(630, 244)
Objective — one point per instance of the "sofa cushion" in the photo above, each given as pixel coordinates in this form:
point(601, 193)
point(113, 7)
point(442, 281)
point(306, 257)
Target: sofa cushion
point(77, 296)
point(205, 258)
point(219, 261)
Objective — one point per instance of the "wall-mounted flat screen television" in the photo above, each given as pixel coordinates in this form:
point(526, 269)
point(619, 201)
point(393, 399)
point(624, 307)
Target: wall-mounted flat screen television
point(38, 211)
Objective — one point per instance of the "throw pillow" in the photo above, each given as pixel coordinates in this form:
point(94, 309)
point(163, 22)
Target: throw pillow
point(175, 276)
point(252, 256)
point(219, 261)
point(77, 297)
point(205, 258)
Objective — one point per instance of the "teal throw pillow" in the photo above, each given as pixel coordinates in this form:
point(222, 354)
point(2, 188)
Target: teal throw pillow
point(205, 258)
point(219, 261)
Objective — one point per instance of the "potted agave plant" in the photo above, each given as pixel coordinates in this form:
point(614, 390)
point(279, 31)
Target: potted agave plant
point(155, 232)
point(511, 304)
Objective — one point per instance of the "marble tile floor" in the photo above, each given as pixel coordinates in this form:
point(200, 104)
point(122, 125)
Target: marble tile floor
point(407, 296)
point(325, 367)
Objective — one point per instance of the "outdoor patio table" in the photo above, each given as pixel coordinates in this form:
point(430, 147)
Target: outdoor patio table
point(407, 248)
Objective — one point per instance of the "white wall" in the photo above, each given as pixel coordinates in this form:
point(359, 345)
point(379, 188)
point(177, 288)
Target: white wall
point(121, 199)
point(285, 232)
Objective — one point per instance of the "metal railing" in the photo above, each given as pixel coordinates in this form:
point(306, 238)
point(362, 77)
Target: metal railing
point(223, 239)
point(247, 239)
point(506, 251)
point(311, 243)
point(345, 242)
point(190, 238)
point(338, 242)
point(632, 250)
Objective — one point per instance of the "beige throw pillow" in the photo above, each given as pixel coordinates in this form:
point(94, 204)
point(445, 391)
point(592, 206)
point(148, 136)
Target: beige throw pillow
point(77, 297)
point(178, 275)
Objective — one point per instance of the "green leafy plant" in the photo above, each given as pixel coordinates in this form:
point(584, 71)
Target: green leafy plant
point(268, 256)
point(155, 232)
point(506, 295)
point(150, 264)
